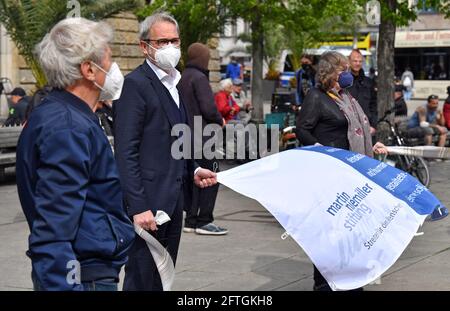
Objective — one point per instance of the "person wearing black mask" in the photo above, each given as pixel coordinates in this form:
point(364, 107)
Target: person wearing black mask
point(305, 78)
point(363, 89)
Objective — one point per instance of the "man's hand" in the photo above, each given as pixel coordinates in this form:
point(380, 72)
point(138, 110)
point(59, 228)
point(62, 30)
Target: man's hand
point(232, 111)
point(248, 105)
point(205, 178)
point(145, 220)
point(372, 131)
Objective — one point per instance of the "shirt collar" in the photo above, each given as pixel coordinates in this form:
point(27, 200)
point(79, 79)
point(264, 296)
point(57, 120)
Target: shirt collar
point(173, 76)
point(68, 98)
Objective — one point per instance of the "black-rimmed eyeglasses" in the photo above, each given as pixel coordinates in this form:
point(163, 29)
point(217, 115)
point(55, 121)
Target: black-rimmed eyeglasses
point(163, 42)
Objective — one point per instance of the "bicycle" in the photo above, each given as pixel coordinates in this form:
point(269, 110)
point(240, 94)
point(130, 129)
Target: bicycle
point(415, 166)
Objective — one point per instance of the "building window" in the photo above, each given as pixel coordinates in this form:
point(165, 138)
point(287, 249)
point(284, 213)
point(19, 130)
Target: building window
point(230, 30)
point(246, 27)
point(234, 28)
point(425, 63)
point(423, 7)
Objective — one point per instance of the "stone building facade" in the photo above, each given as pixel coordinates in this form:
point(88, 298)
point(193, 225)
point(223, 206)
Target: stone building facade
point(125, 48)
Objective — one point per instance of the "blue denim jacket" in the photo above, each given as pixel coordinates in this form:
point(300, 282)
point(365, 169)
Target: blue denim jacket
point(70, 193)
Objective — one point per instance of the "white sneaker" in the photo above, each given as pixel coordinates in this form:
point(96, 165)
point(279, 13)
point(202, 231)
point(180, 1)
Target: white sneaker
point(188, 230)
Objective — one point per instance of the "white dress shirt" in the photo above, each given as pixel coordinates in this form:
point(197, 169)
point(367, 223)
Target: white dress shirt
point(169, 80)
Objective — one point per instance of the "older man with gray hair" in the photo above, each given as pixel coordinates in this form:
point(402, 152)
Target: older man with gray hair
point(152, 178)
point(67, 179)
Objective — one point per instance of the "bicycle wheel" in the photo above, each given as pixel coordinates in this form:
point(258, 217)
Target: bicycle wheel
point(419, 169)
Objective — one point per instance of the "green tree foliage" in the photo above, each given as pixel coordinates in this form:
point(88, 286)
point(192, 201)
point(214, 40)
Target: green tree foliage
point(312, 22)
point(27, 22)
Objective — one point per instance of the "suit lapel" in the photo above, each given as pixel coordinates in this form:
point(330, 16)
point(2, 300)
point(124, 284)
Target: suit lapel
point(162, 92)
point(186, 111)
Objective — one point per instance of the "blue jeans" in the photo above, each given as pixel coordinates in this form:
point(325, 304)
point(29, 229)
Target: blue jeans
point(407, 95)
point(99, 286)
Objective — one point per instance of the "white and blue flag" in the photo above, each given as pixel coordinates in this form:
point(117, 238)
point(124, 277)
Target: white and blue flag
point(352, 215)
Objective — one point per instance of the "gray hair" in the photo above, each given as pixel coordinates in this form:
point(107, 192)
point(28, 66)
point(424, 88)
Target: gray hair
point(225, 83)
point(149, 21)
point(329, 64)
point(71, 42)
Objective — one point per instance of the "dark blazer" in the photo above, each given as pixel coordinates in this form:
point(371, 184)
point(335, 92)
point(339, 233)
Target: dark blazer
point(321, 121)
point(363, 90)
point(143, 119)
point(198, 96)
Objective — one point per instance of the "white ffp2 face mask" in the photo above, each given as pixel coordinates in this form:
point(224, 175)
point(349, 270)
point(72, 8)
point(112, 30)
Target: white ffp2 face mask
point(166, 57)
point(112, 88)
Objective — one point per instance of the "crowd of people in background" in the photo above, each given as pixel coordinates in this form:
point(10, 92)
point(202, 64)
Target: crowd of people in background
point(233, 102)
point(427, 122)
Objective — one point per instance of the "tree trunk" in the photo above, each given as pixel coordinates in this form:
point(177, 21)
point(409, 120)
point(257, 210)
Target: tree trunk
point(386, 61)
point(257, 68)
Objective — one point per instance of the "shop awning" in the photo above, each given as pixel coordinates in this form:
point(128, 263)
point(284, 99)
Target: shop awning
point(411, 39)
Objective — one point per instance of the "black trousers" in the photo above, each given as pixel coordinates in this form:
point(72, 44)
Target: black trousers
point(320, 284)
point(201, 210)
point(141, 273)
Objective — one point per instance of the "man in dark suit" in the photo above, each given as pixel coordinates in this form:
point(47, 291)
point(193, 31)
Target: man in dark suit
point(152, 179)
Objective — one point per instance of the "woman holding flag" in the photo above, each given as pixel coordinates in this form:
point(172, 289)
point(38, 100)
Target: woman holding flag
point(330, 116)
